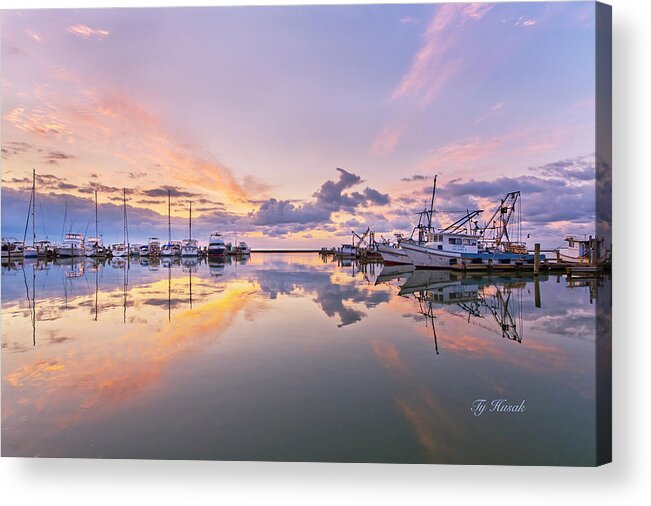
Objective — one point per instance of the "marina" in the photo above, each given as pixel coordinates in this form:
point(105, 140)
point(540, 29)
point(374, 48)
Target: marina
point(124, 354)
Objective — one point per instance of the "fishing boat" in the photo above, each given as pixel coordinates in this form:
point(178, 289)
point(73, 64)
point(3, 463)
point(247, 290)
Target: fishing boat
point(392, 254)
point(582, 251)
point(347, 251)
point(189, 246)
point(463, 244)
point(216, 245)
point(72, 246)
point(153, 247)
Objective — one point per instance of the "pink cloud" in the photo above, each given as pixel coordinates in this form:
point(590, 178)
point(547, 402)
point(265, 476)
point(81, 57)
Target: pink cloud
point(386, 141)
point(86, 32)
point(434, 64)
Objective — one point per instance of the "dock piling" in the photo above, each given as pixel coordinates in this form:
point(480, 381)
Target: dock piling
point(536, 259)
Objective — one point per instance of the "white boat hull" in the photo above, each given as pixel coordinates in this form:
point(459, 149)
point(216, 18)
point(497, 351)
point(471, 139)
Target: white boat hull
point(189, 252)
point(393, 256)
point(430, 259)
point(67, 251)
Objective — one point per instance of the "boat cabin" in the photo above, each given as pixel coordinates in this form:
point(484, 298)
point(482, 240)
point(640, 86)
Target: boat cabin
point(453, 242)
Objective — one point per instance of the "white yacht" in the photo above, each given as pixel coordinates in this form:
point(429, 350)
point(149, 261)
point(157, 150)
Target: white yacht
point(216, 246)
point(189, 248)
point(171, 249)
point(119, 251)
point(95, 247)
point(243, 249)
point(72, 246)
point(30, 252)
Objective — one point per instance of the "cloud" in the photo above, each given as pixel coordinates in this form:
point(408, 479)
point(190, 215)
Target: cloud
point(173, 191)
point(495, 110)
point(525, 22)
point(386, 141)
point(86, 32)
point(54, 157)
point(329, 198)
point(436, 62)
point(415, 177)
point(408, 20)
point(578, 168)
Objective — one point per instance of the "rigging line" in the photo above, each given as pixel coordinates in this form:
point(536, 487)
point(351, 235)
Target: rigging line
point(31, 196)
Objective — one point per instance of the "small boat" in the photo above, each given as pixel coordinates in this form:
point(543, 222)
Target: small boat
point(95, 248)
point(134, 250)
point(11, 248)
point(119, 251)
point(243, 248)
point(45, 249)
point(153, 247)
point(171, 249)
point(144, 250)
point(30, 252)
point(189, 248)
point(72, 246)
point(582, 251)
point(347, 251)
point(216, 245)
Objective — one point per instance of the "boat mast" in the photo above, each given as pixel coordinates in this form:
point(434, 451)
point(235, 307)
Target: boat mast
point(190, 219)
point(33, 206)
point(124, 231)
point(96, 220)
point(169, 218)
point(431, 205)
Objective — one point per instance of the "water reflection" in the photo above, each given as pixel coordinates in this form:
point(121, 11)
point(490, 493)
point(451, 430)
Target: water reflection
point(288, 357)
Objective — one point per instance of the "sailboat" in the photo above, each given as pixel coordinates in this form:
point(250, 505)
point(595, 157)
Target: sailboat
point(122, 249)
point(172, 248)
point(94, 245)
point(189, 247)
point(31, 251)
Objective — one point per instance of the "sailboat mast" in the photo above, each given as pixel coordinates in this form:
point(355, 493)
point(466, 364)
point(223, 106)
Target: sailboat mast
point(33, 206)
point(124, 231)
point(190, 220)
point(169, 217)
point(96, 220)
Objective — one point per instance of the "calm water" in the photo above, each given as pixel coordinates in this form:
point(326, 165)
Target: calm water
point(288, 357)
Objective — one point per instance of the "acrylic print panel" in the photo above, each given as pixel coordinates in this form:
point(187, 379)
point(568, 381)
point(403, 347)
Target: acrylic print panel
point(363, 233)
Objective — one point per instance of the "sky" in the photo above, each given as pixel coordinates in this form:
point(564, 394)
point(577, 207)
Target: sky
point(292, 126)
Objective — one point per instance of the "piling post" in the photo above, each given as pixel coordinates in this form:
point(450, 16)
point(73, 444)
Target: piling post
point(536, 259)
point(536, 291)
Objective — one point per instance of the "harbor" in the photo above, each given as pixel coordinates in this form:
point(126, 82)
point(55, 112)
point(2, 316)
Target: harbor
point(110, 348)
